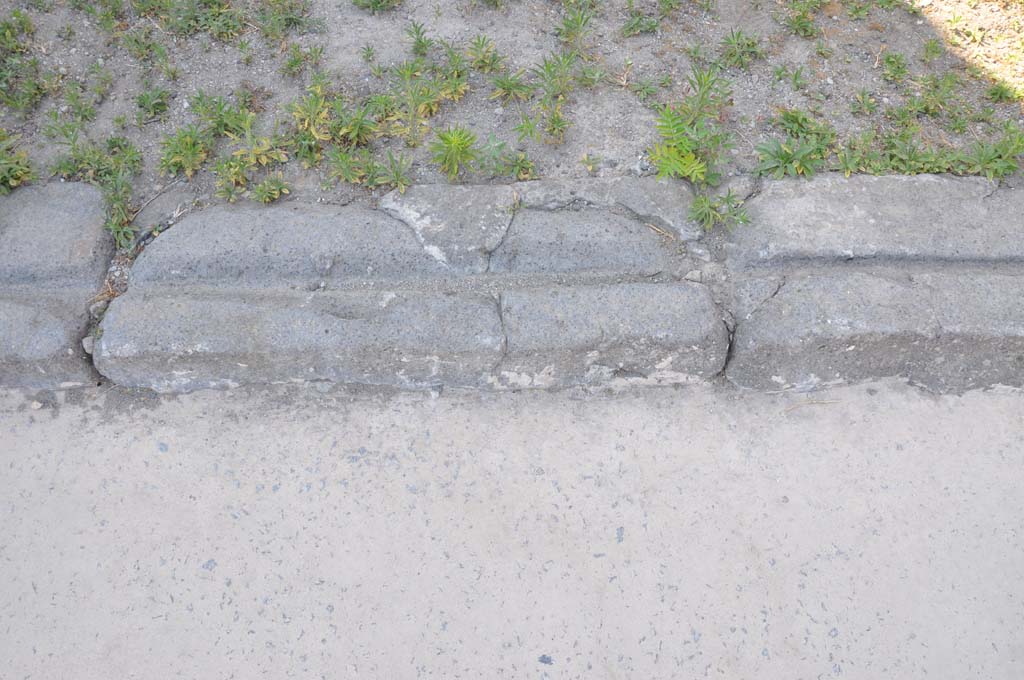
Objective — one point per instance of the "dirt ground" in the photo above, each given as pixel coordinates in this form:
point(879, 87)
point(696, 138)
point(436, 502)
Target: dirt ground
point(612, 124)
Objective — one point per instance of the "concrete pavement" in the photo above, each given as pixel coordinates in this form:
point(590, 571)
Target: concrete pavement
point(866, 532)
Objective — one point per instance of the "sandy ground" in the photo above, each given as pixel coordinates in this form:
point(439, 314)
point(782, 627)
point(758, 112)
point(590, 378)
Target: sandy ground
point(610, 123)
point(866, 532)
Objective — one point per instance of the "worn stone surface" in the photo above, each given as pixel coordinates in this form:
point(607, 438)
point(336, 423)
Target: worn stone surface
point(345, 294)
point(831, 218)
point(53, 256)
point(661, 202)
point(41, 339)
point(588, 240)
point(458, 225)
point(291, 245)
point(948, 331)
point(592, 334)
point(53, 234)
point(585, 282)
point(179, 343)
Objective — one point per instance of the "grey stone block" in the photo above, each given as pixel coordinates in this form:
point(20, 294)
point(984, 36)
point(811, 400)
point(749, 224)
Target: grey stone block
point(54, 255)
point(947, 331)
point(458, 225)
point(293, 245)
point(53, 233)
point(831, 218)
point(579, 241)
point(40, 339)
point(665, 333)
point(662, 202)
point(182, 342)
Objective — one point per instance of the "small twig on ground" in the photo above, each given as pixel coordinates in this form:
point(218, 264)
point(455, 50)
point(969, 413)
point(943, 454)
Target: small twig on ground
point(811, 403)
point(108, 293)
point(154, 197)
point(878, 57)
point(661, 231)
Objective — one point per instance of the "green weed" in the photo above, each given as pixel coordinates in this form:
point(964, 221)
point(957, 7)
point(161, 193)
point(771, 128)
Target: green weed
point(184, 151)
point(740, 50)
point(454, 149)
point(15, 168)
point(376, 5)
point(710, 212)
point(271, 188)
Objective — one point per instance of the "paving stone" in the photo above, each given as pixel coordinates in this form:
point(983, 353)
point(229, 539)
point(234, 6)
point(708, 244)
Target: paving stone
point(458, 225)
point(948, 331)
point(41, 340)
point(662, 202)
point(179, 343)
point(295, 245)
point(589, 240)
point(831, 218)
point(54, 254)
point(662, 333)
point(53, 233)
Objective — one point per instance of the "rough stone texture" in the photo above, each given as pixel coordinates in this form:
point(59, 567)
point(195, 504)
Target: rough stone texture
point(541, 241)
point(292, 245)
point(179, 343)
point(661, 202)
point(54, 253)
point(831, 218)
point(592, 334)
point(53, 234)
point(297, 292)
point(947, 331)
point(40, 339)
point(834, 280)
point(458, 225)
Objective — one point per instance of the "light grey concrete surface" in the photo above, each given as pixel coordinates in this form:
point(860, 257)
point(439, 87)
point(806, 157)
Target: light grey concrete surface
point(870, 532)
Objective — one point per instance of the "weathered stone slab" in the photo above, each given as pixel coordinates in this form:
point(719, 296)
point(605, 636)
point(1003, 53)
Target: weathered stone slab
point(41, 340)
point(947, 331)
point(831, 218)
point(579, 241)
point(593, 334)
point(458, 225)
point(54, 254)
point(180, 343)
point(662, 202)
point(292, 245)
point(53, 233)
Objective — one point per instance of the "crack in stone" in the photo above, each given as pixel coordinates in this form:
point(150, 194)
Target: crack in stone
point(514, 211)
point(755, 190)
point(778, 288)
point(499, 300)
point(730, 344)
